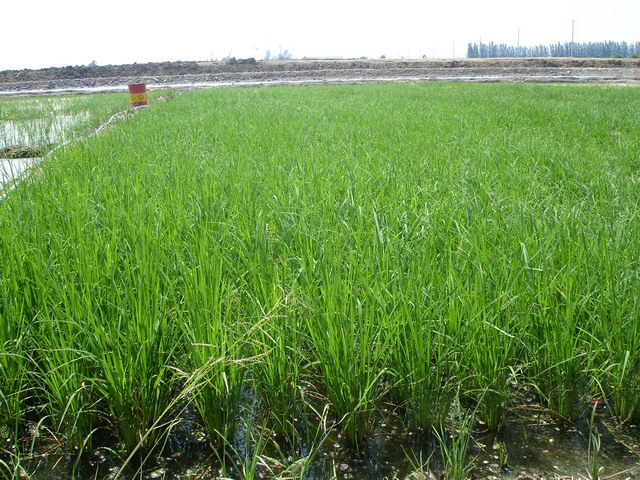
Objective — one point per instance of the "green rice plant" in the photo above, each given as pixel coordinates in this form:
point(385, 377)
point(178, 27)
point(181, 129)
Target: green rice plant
point(559, 366)
point(618, 332)
point(345, 330)
point(109, 318)
point(557, 342)
point(276, 371)
point(427, 238)
point(491, 371)
point(454, 444)
point(626, 393)
point(66, 377)
point(136, 352)
point(192, 384)
point(277, 344)
point(64, 369)
point(213, 329)
point(497, 302)
point(12, 385)
point(14, 368)
point(593, 450)
point(422, 346)
point(419, 360)
point(488, 349)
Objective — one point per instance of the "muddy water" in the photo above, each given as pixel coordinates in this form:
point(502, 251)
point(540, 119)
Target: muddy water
point(533, 445)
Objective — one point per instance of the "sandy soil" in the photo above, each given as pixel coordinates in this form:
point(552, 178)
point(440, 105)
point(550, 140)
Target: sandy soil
point(321, 71)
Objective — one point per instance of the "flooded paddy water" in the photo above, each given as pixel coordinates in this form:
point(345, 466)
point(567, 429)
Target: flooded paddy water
point(40, 131)
point(12, 168)
point(33, 126)
point(525, 448)
point(22, 140)
point(531, 444)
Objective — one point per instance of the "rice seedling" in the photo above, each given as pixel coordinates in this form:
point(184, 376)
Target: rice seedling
point(214, 327)
point(244, 464)
point(420, 468)
point(346, 336)
point(454, 444)
point(252, 457)
point(14, 370)
point(593, 450)
point(11, 467)
point(420, 355)
point(277, 344)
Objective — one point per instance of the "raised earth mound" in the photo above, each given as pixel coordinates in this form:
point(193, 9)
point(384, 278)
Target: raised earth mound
point(251, 72)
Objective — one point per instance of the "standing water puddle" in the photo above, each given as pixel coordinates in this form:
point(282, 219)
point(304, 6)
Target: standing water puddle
point(12, 168)
point(41, 131)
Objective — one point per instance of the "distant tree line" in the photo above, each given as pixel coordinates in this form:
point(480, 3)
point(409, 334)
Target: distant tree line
point(568, 49)
point(283, 55)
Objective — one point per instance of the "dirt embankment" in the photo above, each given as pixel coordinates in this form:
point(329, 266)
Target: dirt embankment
point(314, 71)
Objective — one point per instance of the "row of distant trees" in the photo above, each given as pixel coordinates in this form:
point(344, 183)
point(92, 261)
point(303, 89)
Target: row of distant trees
point(569, 49)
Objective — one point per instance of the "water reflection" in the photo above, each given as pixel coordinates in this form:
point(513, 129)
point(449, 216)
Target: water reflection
point(536, 446)
point(40, 131)
point(12, 168)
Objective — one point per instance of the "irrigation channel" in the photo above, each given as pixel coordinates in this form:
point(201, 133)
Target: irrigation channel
point(268, 265)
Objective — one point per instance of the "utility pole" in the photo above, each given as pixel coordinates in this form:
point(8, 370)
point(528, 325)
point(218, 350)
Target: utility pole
point(573, 29)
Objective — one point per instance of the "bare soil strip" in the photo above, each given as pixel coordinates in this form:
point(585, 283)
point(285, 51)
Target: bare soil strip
point(205, 74)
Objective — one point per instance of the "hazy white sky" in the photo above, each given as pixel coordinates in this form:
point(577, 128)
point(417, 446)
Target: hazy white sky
point(43, 33)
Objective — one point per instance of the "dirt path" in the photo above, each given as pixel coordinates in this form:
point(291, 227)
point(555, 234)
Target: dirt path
point(204, 74)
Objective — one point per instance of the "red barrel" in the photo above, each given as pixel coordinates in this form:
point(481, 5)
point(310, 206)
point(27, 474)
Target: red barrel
point(138, 94)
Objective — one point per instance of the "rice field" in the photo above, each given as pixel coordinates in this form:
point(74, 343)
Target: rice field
point(278, 270)
point(30, 127)
point(39, 120)
point(48, 120)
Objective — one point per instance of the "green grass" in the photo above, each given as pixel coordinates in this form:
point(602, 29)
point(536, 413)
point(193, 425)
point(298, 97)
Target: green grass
point(333, 246)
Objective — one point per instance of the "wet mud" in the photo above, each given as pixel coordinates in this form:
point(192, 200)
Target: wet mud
point(23, 151)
